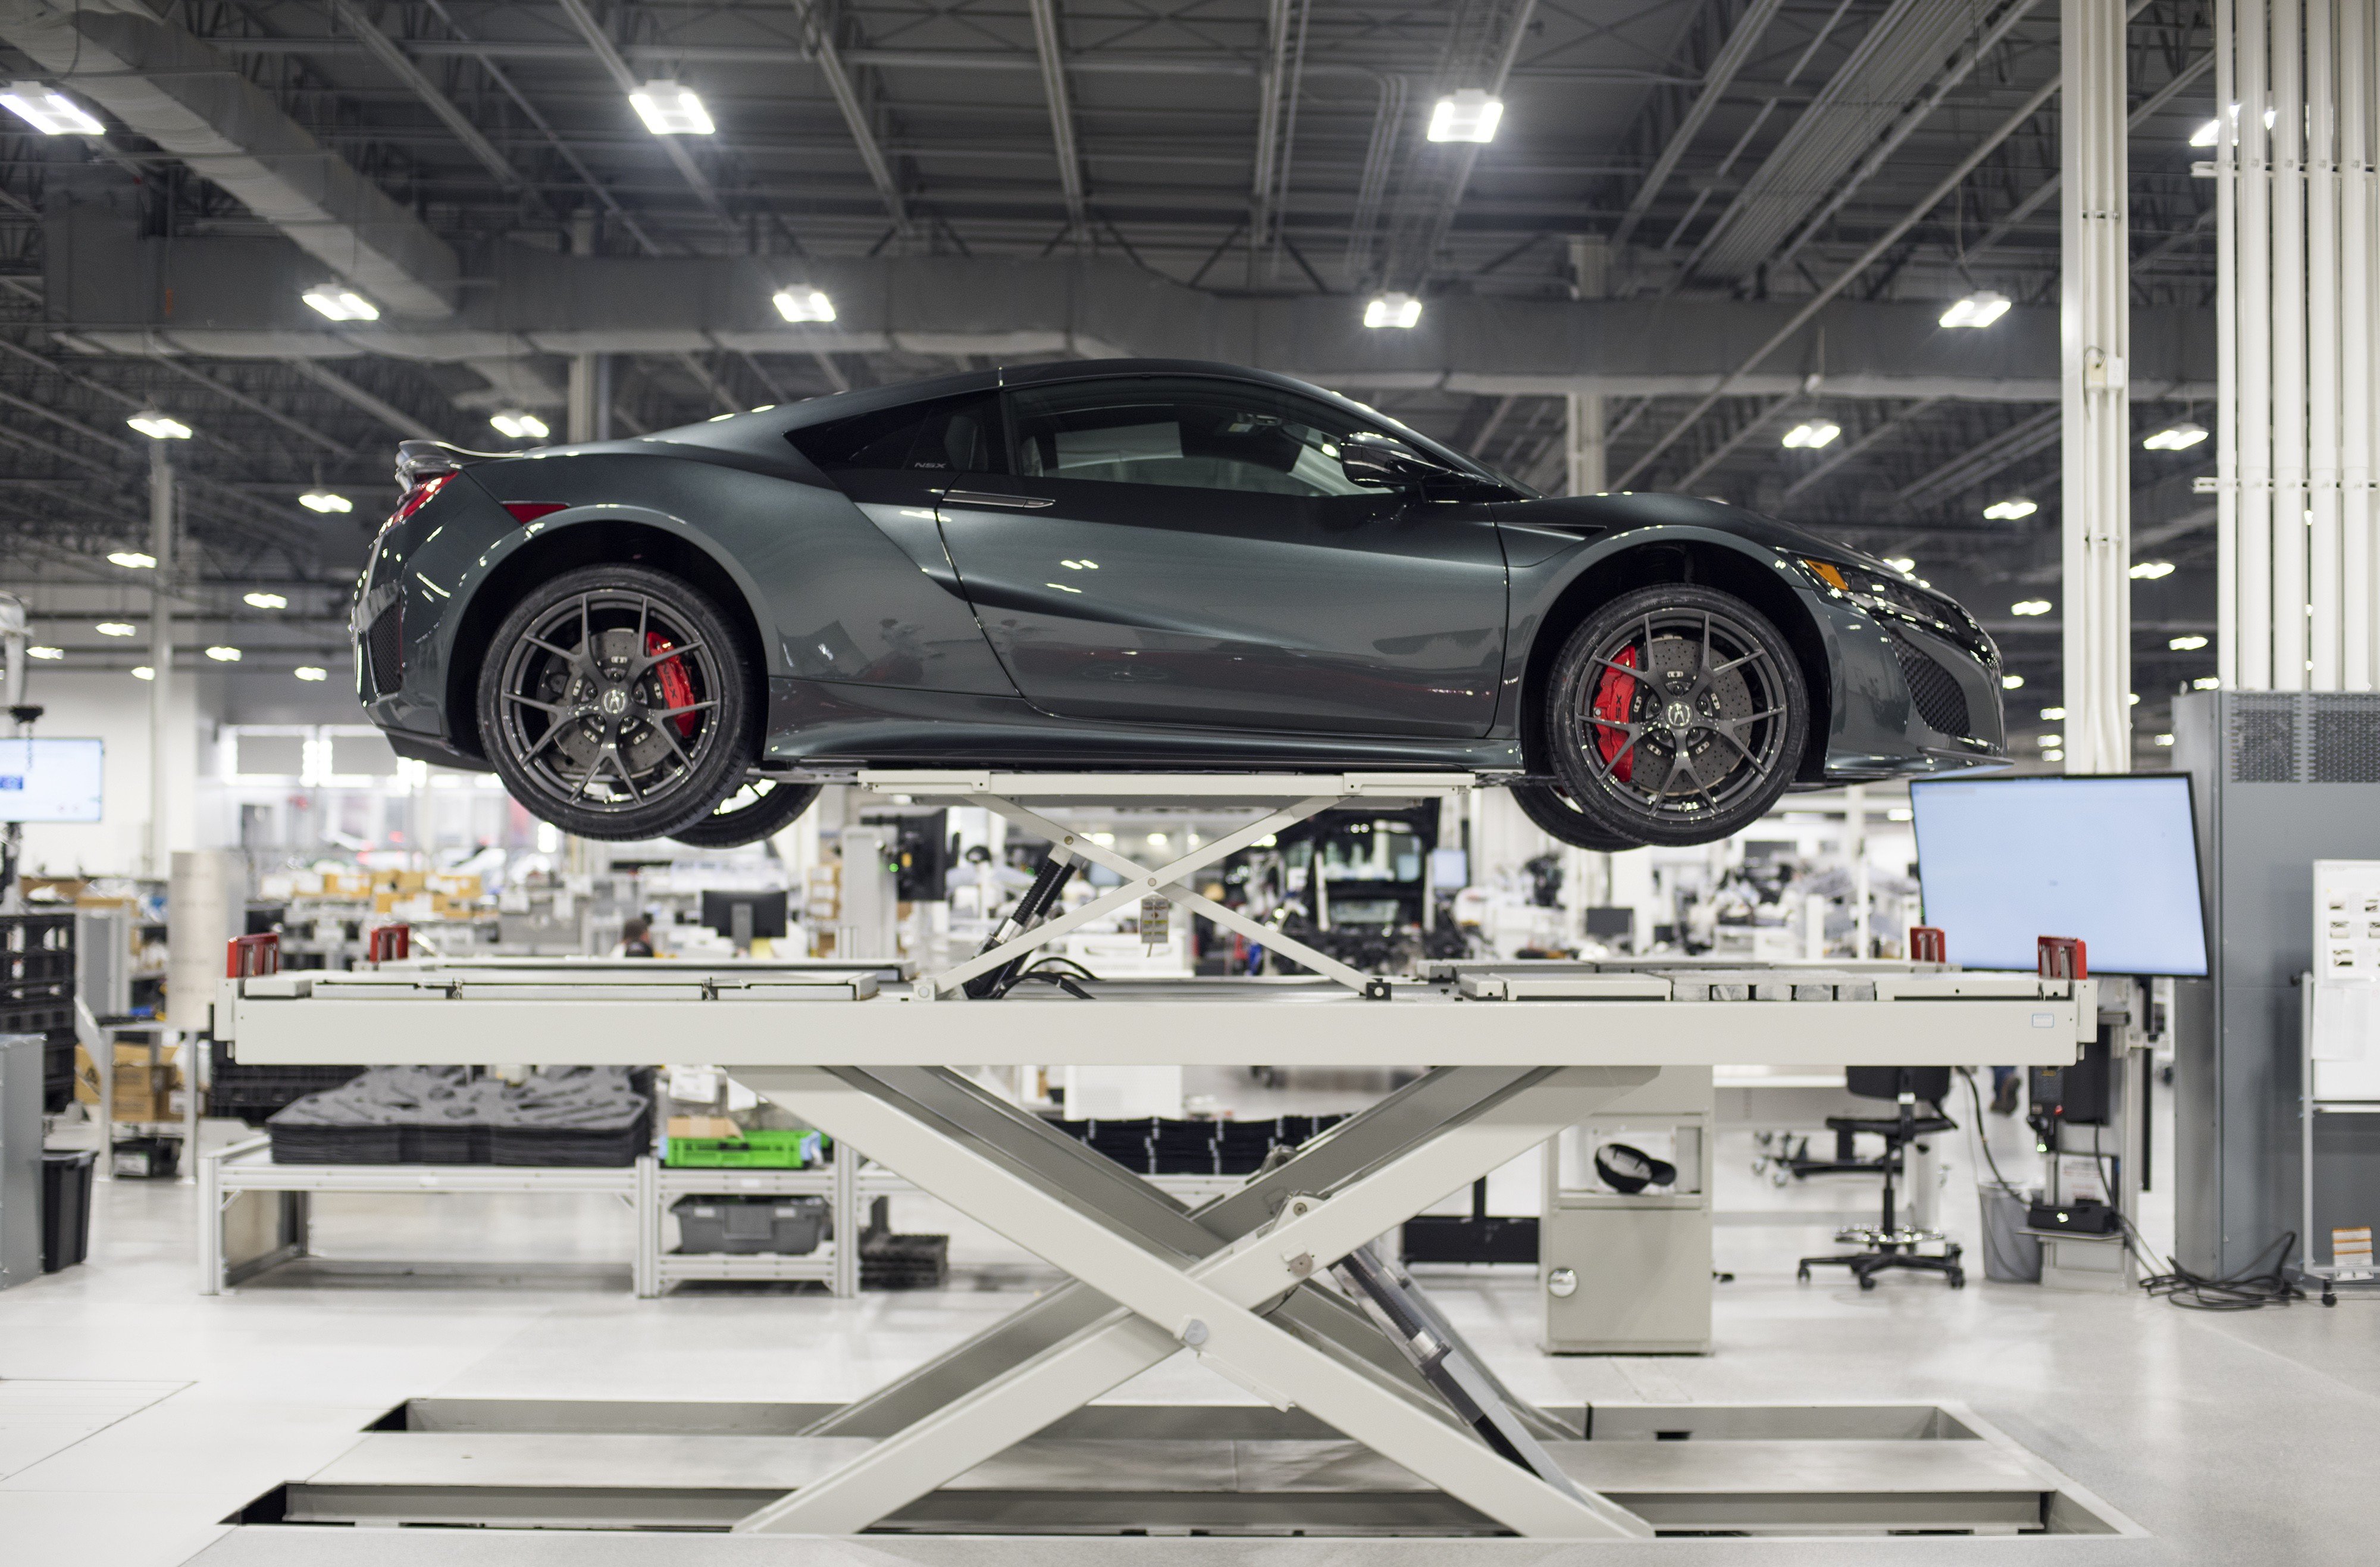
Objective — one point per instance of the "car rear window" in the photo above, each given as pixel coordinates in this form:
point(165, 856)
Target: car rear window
point(951, 435)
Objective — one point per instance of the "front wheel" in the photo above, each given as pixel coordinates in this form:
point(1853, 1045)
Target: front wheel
point(1675, 714)
point(1555, 814)
point(613, 703)
point(761, 808)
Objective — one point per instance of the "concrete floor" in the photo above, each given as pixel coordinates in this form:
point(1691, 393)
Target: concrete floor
point(135, 1413)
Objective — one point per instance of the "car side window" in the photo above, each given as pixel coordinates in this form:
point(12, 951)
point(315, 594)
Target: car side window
point(1183, 432)
point(951, 435)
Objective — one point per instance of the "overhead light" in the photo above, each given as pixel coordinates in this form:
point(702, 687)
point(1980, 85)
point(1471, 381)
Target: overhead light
point(2053, 716)
point(2208, 683)
point(668, 109)
point(325, 501)
point(2149, 571)
point(265, 601)
point(1392, 309)
point(2131, 699)
point(2011, 510)
point(1901, 563)
point(1468, 115)
point(116, 628)
point(2187, 644)
point(2176, 437)
point(132, 560)
point(159, 427)
point(2205, 134)
point(222, 654)
point(1977, 309)
point(800, 304)
point(2012, 682)
point(515, 425)
point(1812, 434)
point(2053, 755)
point(341, 304)
point(45, 652)
point(143, 672)
point(311, 672)
point(2164, 739)
point(2030, 606)
point(2051, 742)
point(49, 111)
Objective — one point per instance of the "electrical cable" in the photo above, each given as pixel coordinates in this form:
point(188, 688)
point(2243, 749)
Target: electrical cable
point(2260, 1284)
point(1982, 1141)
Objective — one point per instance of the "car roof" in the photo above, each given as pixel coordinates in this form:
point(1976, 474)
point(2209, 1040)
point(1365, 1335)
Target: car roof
point(762, 431)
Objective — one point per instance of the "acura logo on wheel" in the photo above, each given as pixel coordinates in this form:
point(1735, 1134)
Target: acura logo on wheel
point(1677, 715)
point(613, 702)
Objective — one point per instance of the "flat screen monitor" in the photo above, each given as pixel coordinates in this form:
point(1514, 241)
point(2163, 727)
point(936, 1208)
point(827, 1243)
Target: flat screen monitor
point(740, 916)
point(1450, 868)
point(50, 780)
point(2112, 859)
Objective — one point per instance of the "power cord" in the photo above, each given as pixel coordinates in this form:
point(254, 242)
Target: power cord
point(1982, 1141)
point(2263, 1282)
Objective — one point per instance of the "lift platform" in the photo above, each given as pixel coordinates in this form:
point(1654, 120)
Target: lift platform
point(1375, 1416)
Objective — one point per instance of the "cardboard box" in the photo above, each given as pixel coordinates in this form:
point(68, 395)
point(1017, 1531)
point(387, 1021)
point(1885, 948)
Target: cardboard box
point(142, 1092)
point(720, 1126)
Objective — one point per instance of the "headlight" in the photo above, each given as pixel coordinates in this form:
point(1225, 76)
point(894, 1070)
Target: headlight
point(1894, 598)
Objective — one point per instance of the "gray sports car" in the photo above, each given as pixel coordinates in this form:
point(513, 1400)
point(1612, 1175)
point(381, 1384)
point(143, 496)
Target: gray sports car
point(1129, 564)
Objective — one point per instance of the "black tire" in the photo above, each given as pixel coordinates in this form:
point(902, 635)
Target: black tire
point(615, 702)
point(1557, 816)
point(761, 808)
point(1724, 718)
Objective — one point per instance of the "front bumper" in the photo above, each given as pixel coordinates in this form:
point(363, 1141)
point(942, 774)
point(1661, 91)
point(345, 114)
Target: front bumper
point(1907, 701)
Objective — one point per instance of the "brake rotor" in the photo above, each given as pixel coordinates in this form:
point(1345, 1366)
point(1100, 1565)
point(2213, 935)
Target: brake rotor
point(1672, 687)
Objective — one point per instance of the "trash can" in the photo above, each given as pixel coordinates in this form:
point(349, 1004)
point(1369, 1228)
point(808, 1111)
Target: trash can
point(2010, 1257)
point(66, 1206)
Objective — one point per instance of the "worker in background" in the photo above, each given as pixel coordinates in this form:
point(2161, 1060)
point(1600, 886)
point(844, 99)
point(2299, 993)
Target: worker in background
point(636, 936)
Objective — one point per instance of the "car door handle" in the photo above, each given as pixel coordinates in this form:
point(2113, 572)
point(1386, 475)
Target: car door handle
point(986, 498)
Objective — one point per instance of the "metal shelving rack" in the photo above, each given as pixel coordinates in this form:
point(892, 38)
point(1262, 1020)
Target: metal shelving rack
point(836, 1263)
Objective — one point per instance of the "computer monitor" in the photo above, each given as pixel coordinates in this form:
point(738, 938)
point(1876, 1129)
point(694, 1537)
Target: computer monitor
point(52, 780)
point(1450, 868)
point(740, 916)
point(2112, 859)
point(1605, 921)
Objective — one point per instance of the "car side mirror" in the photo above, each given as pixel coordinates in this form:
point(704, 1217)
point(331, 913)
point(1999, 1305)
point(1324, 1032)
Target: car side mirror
point(1386, 461)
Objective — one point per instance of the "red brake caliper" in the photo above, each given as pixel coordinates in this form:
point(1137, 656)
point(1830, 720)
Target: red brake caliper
point(677, 691)
point(1613, 695)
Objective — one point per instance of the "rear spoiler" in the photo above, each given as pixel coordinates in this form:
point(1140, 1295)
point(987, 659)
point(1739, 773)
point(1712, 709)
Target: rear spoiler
point(417, 460)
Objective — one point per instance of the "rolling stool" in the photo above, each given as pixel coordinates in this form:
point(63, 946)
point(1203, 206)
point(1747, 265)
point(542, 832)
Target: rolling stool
point(1887, 1245)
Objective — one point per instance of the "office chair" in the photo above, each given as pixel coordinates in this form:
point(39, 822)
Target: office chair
point(1887, 1245)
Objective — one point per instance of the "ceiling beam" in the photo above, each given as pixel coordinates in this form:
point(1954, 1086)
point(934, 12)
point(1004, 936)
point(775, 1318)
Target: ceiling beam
point(338, 385)
point(1715, 78)
point(817, 39)
point(1052, 47)
point(607, 53)
point(398, 64)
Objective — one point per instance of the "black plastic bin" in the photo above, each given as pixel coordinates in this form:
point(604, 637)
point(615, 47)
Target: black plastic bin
point(66, 1206)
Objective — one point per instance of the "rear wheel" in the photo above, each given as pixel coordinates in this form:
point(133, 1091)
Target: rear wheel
point(1675, 714)
point(761, 808)
point(612, 703)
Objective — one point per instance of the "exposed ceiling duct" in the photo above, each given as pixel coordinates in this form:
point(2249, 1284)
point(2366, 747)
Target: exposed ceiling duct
point(181, 94)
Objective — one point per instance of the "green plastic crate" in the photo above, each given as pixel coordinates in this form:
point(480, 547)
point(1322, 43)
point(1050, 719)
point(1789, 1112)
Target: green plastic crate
point(753, 1150)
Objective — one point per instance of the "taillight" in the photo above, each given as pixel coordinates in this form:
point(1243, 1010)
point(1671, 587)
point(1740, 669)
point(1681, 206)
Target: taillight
point(417, 497)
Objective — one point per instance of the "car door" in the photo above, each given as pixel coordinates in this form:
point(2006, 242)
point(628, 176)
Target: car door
point(1187, 549)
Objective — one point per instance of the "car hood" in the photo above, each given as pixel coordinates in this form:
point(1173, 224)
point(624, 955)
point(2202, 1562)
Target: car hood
point(1613, 512)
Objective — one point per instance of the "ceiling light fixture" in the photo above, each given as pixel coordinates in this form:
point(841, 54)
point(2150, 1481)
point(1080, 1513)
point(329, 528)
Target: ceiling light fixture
point(2208, 683)
point(49, 111)
point(222, 654)
point(514, 424)
point(2053, 716)
point(2186, 644)
point(2012, 682)
point(2014, 508)
point(45, 652)
point(801, 304)
point(2164, 739)
point(2149, 571)
point(132, 560)
point(2030, 606)
point(668, 109)
point(311, 672)
point(266, 601)
point(1468, 115)
point(143, 672)
point(1812, 434)
point(1392, 309)
point(2205, 135)
point(341, 303)
point(116, 628)
point(159, 427)
point(2176, 437)
point(1977, 309)
point(325, 501)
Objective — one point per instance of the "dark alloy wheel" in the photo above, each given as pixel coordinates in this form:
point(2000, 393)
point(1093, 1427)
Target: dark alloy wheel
point(1557, 816)
point(612, 703)
point(1675, 714)
point(761, 808)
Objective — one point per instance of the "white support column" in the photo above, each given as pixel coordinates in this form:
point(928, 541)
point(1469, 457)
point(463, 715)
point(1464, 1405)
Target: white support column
point(2287, 335)
point(2226, 354)
point(2326, 651)
point(2253, 272)
point(161, 662)
point(585, 372)
point(2359, 662)
point(2096, 353)
point(1590, 264)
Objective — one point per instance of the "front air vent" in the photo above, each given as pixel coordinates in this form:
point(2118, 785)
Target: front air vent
point(1940, 701)
point(384, 644)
